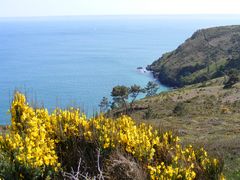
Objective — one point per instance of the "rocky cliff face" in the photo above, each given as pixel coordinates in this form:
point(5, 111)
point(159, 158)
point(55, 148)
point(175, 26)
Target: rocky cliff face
point(206, 55)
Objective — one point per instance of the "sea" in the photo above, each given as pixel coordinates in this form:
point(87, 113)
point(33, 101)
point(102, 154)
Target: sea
point(77, 60)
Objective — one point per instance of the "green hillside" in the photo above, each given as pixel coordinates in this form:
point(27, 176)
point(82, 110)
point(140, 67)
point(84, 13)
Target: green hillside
point(206, 116)
point(208, 54)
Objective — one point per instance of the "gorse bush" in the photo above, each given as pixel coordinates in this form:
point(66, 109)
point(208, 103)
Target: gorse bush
point(43, 145)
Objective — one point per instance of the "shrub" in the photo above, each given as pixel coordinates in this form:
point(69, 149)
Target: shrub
point(148, 113)
point(233, 78)
point(179, 109)
point(65, 143)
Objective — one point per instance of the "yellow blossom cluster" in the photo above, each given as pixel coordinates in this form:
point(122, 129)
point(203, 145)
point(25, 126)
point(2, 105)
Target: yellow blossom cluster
point(165, 157)
point(28, 138)
point(139, 140)
point(35, 134)
point(66, 123)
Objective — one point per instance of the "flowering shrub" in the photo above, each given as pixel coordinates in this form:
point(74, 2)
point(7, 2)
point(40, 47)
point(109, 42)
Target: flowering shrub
point(32, 144)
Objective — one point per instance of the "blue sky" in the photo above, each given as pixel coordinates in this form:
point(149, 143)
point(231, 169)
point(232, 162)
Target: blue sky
point(16, 8)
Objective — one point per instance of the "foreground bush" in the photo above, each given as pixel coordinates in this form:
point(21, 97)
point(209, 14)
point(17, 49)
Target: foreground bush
point(65, 144)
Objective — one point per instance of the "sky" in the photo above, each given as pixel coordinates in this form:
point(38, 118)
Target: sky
point(23, 8)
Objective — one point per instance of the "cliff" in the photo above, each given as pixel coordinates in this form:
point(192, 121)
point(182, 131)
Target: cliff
point(207, 54)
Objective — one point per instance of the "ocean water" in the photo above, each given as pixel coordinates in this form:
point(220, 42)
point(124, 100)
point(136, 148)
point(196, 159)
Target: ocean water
point(63, 61)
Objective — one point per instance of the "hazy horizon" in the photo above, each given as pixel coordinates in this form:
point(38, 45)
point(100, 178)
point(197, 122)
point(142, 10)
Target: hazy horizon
point(29, 8)
point(72, 57)
point(188, 16)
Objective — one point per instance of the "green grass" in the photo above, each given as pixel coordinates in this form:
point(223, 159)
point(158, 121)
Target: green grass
point(210, 117)
point(207, 70)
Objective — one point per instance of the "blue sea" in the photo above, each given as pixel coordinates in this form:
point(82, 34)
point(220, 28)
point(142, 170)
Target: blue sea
point(75, 61)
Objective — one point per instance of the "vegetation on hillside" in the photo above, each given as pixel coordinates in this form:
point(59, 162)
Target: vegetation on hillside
point(233, 78)
point(65, 144)
point(206, 110)
point(123, 97)
point(208, 54)
point(204, 114)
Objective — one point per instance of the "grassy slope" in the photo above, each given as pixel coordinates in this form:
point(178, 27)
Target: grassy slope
point(209, 116)
point(199, 56)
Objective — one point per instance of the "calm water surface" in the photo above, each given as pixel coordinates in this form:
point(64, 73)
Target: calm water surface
point(77, 60)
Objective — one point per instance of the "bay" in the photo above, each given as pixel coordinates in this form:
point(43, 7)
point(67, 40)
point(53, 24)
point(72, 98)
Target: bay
point(63, 61)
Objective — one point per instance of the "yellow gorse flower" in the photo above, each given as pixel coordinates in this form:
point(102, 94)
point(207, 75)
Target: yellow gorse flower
point(35, 134)
point(28, 137)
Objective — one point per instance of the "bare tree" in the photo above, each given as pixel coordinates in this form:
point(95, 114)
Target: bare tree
point(80, 175)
